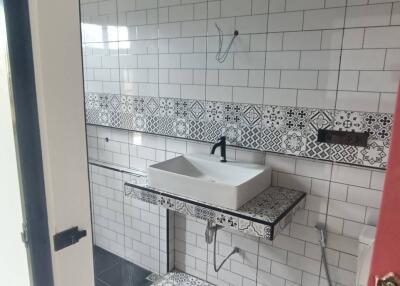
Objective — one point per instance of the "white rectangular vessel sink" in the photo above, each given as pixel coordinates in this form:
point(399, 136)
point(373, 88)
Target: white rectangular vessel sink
point(204, 178)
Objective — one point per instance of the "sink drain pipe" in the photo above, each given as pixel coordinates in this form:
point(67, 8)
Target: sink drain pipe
point(211, 235)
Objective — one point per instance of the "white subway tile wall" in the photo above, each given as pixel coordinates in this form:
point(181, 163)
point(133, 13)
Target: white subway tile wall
point(343, 198)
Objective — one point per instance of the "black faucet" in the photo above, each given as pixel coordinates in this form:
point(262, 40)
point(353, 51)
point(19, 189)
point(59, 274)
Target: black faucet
point(221, 143)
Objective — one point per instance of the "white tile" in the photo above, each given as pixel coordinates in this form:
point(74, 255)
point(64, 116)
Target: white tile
point(181, 13)
point(364, 197)
point(256, 78)
point(351, 175)
point(286, 272)
point(314, 169)
point(272, 78)
point(368, 15)
point(251, 24)
point(357, 101)
point(377, 180)
point(233, 77)
point(365, 59)
point(387, 103)
point(331, 39)
point(320, 188)
point(219, 93)
point(282, 22)
point(332, 18)
point(338, 191)
point(316, 98)
point(320, 60)
point(348, 80)
point(274, 41)
point(327, 80)
point(248, 95)
point(299, 79)
point(252, 60)
point(280, 96)
point(289, 243)
point(235, 8)
point(283, 60)
point(346, 210)
point(294, 182)
point(281, 163)
point(392, 61)
point(353, 38)
point(304, 263)
point(273, 253)
point(309, 40)
point(379, 81)
point(294, 5)
point(382, 37)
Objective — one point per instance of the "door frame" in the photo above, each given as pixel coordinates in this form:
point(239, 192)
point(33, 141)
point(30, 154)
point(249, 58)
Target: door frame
point(27, 136)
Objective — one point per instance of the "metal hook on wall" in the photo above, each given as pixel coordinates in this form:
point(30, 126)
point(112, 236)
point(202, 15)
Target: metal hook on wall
point(221, 56)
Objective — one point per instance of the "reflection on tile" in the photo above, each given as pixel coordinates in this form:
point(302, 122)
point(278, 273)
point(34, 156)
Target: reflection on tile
point(111, 270)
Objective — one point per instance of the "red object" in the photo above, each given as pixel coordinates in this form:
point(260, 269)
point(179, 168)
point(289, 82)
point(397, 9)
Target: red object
point(386, 257)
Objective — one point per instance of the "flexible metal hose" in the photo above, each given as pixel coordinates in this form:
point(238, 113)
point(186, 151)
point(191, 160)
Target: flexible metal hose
point(234, 250)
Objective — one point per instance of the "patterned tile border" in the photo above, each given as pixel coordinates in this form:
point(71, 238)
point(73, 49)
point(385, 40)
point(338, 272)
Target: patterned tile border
point(180, 278)
point(282, 129)
point(264, 216)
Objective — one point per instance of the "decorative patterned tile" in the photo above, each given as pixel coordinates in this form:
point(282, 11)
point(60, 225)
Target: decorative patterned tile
point(272, 140)
point(297, 119)
point(233, 133)
point(197, 110)
point(273, 117)
point(139, 122)
point(197, 130)
point(315, 149)
point(251, 137)
point(226, 220)
point(185, 208)
point(344, 154)
point(321, 119)
point(256, 217)
point(282, 129)
point(374, 155)
point(348, 121)
point(180, 278)
point(166, 202)
point(233, 113)
point(251, 115)
point(214, 111)
point(213, 131)
point(294, 143)
point(152, 106)
point(378, 125)
point(254, 228)
point(181, 127)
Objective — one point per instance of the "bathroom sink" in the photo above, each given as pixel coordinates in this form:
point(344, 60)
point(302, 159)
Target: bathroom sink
point(205, 179)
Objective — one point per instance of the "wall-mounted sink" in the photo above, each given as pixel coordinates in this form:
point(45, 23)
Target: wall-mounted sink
point(206, 179)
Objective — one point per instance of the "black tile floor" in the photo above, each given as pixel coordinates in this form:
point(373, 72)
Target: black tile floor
point(111, 270)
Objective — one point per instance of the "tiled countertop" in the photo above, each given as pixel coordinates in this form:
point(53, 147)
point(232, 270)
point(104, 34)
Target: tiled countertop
point(263, 216)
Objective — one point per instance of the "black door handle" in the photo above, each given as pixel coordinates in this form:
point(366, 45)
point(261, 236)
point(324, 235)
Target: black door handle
point(68, 237)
